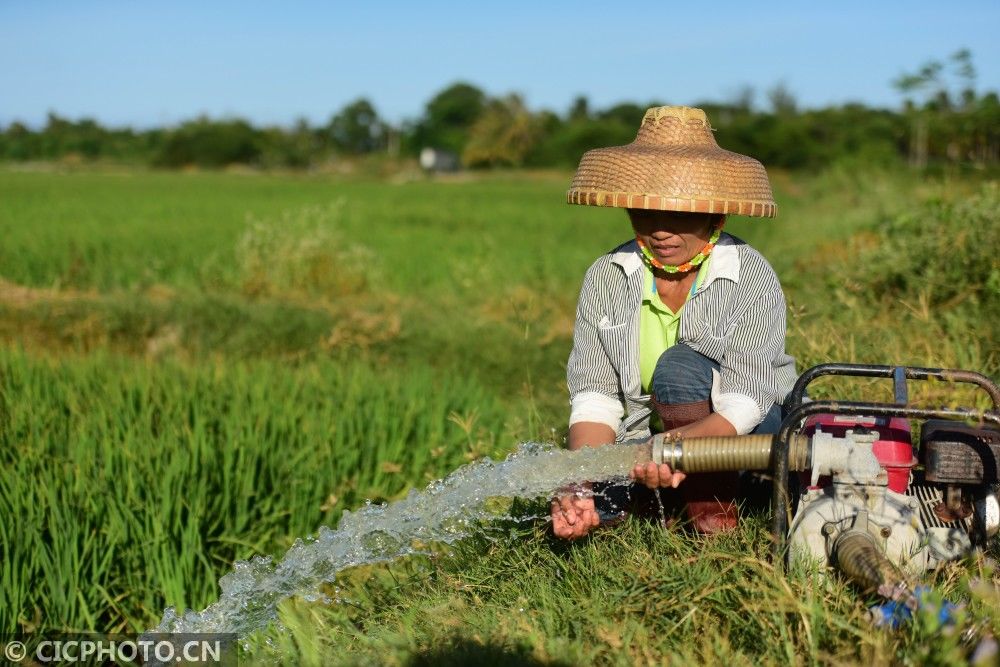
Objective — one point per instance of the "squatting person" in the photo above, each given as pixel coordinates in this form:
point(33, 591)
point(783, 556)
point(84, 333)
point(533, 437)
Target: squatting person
point(682, 328)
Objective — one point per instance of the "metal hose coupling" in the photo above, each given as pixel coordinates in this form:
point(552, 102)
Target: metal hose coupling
point(725, 452)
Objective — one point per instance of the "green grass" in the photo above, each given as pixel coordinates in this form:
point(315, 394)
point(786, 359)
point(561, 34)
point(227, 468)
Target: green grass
point(196, 368)
point(636, 594)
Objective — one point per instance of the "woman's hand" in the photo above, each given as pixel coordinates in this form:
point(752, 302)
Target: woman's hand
point(661, 476)
point(657, 476)
point(573, 514)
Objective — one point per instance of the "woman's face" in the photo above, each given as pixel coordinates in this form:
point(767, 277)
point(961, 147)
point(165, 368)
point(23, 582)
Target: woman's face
point(673, 237)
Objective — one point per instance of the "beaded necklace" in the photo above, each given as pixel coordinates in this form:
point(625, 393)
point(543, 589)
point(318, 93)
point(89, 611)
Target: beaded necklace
point(688, 265)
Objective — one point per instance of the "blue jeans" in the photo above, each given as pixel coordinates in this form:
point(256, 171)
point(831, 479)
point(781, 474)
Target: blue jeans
point(685, 376)
point(681, 376)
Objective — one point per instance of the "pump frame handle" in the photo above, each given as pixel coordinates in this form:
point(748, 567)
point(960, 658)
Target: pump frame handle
point(899, 374)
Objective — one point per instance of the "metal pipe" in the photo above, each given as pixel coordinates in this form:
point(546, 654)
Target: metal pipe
point(797, 394)
point(725, 453)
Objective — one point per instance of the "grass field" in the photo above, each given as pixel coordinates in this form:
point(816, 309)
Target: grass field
point(198, 367)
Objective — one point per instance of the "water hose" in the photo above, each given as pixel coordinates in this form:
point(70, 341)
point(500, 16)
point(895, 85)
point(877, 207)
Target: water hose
point(725, 453)
point(858, 556)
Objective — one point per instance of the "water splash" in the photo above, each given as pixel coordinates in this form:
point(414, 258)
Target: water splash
point(446, 511)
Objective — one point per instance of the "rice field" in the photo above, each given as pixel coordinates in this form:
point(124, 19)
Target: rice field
point(200, 367)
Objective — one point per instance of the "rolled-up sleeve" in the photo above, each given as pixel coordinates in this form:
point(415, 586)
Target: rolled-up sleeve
point(747, 386)
point(593, 384)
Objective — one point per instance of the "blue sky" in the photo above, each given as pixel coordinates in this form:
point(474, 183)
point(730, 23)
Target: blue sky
point(146, 63)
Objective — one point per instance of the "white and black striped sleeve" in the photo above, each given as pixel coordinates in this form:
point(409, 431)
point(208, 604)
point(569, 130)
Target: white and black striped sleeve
point(748, 385)
point(593, 384)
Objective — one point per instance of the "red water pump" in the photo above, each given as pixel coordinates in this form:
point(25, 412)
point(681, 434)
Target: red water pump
point(913, 513)
point(864, 503)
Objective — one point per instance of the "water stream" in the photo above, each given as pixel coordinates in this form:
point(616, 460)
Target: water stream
point(446, 511)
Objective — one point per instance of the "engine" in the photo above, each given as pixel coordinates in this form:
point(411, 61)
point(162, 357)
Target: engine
point(862, 483)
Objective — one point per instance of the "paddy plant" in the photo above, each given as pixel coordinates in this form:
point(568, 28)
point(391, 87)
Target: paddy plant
point(128, 487)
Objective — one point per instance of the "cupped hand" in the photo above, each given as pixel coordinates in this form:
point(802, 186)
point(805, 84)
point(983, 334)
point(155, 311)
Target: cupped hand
point(657, 476)
point(573, 514)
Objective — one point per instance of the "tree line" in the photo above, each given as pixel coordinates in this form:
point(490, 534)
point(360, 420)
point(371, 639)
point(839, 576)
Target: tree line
point(942, 120)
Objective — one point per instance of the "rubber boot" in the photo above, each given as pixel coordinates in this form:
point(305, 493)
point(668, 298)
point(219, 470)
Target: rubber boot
point(710, 498)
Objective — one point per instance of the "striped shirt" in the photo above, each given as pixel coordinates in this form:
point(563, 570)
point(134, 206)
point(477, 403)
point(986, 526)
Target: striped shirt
point(736, 317)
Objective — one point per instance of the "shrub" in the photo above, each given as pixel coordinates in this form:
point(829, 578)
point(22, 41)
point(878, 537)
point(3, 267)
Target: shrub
point(945, 252)
point(208, 143)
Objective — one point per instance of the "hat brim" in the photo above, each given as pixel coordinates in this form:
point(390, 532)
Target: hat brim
point(691, 179)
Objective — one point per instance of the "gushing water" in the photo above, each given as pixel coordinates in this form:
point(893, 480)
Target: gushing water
point(446, 511)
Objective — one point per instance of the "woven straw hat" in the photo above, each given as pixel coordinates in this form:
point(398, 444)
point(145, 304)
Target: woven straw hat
point(674, 164)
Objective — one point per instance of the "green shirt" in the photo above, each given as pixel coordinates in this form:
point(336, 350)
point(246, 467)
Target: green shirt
point(658, 325)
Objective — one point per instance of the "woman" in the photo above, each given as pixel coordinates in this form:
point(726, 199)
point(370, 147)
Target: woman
point(681, 329)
